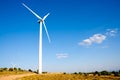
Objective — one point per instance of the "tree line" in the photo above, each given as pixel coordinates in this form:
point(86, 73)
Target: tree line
point(100, 73)
point(96, 73)
point(11, 69)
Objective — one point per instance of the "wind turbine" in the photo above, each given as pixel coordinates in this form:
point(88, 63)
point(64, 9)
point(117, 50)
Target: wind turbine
point(40, 21)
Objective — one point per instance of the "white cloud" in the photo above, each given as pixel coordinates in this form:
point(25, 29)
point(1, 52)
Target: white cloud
point(111, 32)
point(60, 56)
point(96, 38)
point(99, 38)
point(86, 42)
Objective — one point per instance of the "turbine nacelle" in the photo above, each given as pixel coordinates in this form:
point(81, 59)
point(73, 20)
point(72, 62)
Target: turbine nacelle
point(41, 20)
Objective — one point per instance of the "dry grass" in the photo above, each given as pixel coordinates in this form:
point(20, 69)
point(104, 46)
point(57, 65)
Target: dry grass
point(12, 72)
point(68, 77)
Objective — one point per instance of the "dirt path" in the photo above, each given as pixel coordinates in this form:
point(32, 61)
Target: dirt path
point(14, 77)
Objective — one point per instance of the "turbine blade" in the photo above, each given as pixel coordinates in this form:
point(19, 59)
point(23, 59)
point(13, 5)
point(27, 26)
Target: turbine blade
point(46, 32)
point(46, 16)
point(31, 11)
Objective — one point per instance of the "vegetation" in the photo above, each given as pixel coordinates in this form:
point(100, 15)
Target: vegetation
point(103, 75)
point(68, 77)
point(11, 71)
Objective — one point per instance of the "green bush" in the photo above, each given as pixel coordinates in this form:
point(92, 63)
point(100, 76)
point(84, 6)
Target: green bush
point(11, 69)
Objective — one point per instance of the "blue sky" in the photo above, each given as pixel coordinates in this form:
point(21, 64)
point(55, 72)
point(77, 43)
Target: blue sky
point(84, 34)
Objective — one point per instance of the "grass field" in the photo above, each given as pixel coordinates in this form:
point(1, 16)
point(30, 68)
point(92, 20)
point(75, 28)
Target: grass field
point(12, 73)
point(68, 77)
point(19, 74)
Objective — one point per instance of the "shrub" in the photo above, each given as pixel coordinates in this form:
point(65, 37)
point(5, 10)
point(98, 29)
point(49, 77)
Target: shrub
point(64, 73)
point(5, 69)
point(75, 73)
point(30, 70)
point(19, 69)
point(1, 70)
point(44, 72)
point(80, 73)
point(11, 69)
point(104, 72)
point(15, 68)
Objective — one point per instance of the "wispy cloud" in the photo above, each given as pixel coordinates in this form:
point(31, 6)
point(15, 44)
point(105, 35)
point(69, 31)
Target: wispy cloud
point(111, 32)
point(96, 38)
point(61, 55)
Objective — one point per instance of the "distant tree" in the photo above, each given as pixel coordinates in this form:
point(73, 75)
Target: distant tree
point(44, 72)
point(119, 71)
point(19, 69)
point(115, 73)
point(80, 73)
point(85, 74)
point(75, 73)
point(96, 73)
point(104, 73)
point(64, 73)
point(11, 69)
point(35, 71)
point(5, 69)
point(30, 70)
point(1, 70)
point(15, 69)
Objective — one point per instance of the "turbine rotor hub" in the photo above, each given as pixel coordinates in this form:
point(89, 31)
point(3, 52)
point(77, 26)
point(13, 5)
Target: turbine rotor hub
point(40, 20)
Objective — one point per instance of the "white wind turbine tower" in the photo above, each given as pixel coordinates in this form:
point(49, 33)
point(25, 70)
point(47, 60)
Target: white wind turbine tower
point(41, 21)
